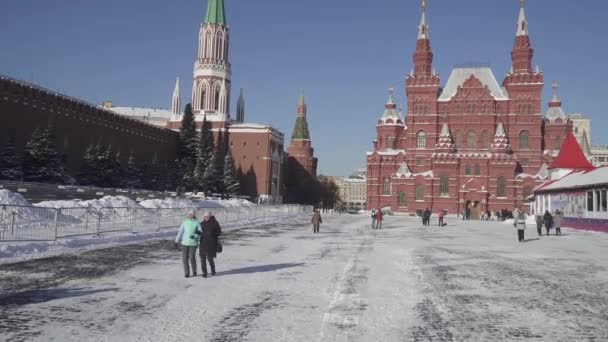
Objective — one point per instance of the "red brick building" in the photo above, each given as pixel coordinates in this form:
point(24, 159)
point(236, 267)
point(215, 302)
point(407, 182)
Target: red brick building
point(470, 144)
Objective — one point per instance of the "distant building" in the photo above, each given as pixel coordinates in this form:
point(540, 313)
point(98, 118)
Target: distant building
point(353, 192)
point(600, 155)
point(301, 164)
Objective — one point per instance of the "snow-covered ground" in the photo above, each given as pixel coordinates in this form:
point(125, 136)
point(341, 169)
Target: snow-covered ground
point(468, 281)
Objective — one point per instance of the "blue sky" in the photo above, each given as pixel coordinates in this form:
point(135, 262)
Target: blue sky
point(344, 55)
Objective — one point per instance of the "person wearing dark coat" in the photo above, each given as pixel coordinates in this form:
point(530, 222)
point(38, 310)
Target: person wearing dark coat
point(548, 218)
point(539, 225)
point(209, 242)
point(316, 221)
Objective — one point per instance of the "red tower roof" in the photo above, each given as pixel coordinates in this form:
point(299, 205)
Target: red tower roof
point(571, 156)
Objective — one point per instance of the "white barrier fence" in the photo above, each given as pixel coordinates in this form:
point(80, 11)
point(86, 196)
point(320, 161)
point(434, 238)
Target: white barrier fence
point(29, 223)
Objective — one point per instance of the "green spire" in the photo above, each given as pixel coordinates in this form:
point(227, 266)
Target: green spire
point(300, 131)
point(215, 13)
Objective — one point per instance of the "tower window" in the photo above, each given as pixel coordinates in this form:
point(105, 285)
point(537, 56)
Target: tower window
point(444, 187)
point(477, 170)
point(419, 192)
point(421, 140)
point(467, 169)
point(501, 187)
point(523, 139)
point(458, 139)
point(471, 140)
point(387, 187)
point(485, 142)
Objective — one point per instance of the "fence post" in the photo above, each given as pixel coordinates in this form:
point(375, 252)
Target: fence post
point(133, 220)
point(158, 211)
point(55, 222)
point(13, 222)
point(98, 222)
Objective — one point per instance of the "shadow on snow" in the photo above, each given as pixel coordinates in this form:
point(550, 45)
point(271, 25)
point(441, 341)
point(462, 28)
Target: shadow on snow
point(260, 269)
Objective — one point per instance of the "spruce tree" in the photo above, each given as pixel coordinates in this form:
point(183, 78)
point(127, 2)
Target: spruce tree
point(205, 150)
point(220, 150)
point(115, 173)
point(212, 174)
point(85, 176)
point(132, 178)
point(188, 142)
point(231, 180)
point(189, 182)
point(41, 162)
point(10, 165)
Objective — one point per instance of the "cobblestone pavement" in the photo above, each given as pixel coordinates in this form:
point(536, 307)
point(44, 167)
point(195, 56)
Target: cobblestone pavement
point(468, 281)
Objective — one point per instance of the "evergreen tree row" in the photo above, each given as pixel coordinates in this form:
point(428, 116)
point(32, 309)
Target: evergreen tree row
point(204, 165)
point(40, 161)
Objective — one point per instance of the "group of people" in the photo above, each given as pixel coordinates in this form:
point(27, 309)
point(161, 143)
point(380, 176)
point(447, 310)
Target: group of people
point(377, 218)
point(548, 220)
point(203, 235)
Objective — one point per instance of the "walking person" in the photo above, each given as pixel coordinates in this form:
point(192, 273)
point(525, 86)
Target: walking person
point(548, 218)
point(316, 221)
point(557, 221)
point(379, 218)
point(520, 225)
point(187, 238)
point(440, 215)
point(539, 224)
point(427, 217)
point(211, 231)
point(373, 218)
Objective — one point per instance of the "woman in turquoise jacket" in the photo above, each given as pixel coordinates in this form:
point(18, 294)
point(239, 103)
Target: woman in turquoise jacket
point(187, 237)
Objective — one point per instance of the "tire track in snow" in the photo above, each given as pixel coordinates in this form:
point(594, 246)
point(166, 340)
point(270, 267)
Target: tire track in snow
point(346, 306)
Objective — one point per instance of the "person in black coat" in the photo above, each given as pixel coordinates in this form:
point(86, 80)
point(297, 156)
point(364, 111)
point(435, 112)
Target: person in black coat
point(209, 242)
point(548, 219)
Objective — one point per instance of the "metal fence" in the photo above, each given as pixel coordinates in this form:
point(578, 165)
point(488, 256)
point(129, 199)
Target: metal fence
point(30, 223)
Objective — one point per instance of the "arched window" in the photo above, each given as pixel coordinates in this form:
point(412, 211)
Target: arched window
point(458, 139)
point(203, 97)
point(467, 169)
point(419, 192)
point(477, 170)
point(444, 187)
point(387, 187)
point(421, 140)
point(485, 140)
point(218, 46)
point(402, 199)
point(501, 187)
point(523, 139)
point(471, 140)
point(216, 101)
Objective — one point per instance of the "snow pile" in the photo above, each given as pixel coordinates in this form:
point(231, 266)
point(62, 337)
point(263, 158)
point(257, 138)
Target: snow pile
point(112, 202)
point(171, 202)
point(20, 207)
point(236, 202)
point(11, 198)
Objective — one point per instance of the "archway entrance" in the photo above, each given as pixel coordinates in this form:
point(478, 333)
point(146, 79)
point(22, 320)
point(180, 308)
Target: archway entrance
point(476, 211)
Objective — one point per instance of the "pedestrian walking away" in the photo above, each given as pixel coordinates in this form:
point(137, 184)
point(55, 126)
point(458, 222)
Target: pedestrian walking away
point(187, 238)
point(209, 236)
point(427, 217)
point(548, 219)
point(379, 218)
point(440, 214)
point(373, 218)
point(539, 224)
point(557, 221)
point(316, 221)
point(520, 225)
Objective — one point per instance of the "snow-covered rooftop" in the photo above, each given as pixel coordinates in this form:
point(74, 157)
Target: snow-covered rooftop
point(578, 179)
point(483, 74)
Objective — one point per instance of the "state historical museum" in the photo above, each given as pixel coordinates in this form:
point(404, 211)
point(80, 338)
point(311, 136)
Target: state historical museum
point(471, 144)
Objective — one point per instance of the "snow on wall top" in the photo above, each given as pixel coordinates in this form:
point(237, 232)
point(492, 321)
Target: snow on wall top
point(141, 112)
point(483, 74)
